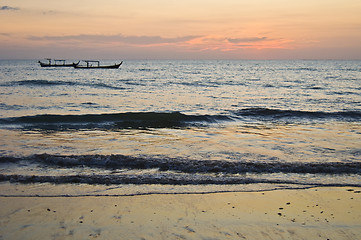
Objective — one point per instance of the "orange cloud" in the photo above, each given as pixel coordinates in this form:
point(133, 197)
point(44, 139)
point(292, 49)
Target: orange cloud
point(232, 44)
point(107, 39)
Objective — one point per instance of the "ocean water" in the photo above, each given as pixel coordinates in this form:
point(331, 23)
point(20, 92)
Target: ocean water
point(180, 126)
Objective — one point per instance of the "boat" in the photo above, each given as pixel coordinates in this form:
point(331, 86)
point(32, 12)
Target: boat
point(92, 64)
point(57, 63)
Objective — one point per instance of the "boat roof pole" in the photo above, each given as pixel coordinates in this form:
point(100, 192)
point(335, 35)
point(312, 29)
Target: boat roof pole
point(90, 61)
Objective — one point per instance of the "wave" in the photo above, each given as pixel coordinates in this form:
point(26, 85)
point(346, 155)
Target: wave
point(47, 83)
point(274, 114)
point(4, 106)
point(305, 69)
point(169, 171)
point(145, 120)
point(166, 179)
point(42, 83)
point(186, 165)
point(137, 120)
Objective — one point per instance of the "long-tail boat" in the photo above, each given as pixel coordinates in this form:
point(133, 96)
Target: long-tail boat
point(91, 64)
point(57, 63)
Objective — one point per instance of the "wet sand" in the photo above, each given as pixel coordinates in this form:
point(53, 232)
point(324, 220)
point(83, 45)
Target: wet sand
point(317, 213)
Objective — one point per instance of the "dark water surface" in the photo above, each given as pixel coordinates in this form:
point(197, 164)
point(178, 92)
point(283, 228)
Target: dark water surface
point(182, 126)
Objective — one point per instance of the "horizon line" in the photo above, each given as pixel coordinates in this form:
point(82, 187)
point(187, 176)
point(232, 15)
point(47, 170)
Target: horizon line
point(194, 59)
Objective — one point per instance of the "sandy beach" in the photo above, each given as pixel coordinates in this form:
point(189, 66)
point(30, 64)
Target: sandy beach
point(317, 213)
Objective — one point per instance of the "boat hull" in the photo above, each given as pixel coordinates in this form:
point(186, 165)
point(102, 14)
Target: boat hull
point(115, 66)
point(58, 65)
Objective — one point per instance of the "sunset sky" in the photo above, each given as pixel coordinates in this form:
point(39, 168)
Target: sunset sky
point(180, 29)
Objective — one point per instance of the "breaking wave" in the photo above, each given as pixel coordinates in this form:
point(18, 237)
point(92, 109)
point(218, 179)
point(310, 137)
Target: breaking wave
point(143, 120)
point(120, 169)
point(110, 121)
point(187, 165)
point(165, 179)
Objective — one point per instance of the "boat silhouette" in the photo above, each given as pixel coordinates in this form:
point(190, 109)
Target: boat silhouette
point(57, 63)
point(89, 65)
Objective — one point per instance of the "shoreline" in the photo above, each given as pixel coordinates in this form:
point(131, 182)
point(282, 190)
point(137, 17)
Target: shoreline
point(315, 213)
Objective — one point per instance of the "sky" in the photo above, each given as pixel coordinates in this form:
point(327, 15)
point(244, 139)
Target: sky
point(180, 29)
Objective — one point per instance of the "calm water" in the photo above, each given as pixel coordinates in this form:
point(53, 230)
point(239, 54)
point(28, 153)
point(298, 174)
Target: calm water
point(181, 126)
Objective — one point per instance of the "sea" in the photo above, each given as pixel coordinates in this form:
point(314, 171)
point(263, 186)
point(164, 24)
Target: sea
point(179, 127)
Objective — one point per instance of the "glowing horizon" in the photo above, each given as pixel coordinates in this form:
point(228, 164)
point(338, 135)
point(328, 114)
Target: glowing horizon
point(197, 29)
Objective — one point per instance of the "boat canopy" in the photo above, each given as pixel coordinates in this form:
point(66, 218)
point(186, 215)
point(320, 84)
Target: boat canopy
point(88, 62)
